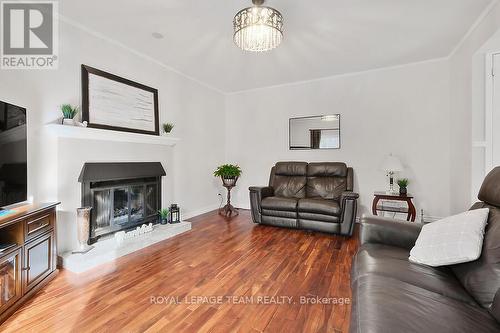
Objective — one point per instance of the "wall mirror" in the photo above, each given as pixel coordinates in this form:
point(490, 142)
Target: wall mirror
point(316, 132)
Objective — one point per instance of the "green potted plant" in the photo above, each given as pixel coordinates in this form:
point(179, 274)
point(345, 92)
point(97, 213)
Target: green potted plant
point(403, 186)
point(229, 174)
point(167, 127)
point(163, 213)
point(69, 112)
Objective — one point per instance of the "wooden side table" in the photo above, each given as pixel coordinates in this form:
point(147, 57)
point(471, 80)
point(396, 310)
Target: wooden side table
point(410, 211)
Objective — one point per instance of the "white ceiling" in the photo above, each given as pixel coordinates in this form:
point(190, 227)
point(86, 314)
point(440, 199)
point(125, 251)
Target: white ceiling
point(322, 37)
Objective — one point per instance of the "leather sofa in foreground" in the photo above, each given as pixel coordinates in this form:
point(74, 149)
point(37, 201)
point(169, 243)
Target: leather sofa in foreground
point(311, 196)
point(391, 294)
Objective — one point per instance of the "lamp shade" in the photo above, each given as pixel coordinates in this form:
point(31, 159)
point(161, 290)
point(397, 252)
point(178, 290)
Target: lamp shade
point(392, 164)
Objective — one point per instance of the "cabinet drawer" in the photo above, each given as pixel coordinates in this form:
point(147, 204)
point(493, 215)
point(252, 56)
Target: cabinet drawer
point(38, 224)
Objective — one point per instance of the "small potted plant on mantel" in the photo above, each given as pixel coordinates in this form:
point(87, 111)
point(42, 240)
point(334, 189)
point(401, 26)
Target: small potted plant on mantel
point(167, 128)
point(403, 186)
point(69, 112)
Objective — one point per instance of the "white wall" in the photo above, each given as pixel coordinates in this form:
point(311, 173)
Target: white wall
point(402, 110)
point(420, 112)
point(467, 111)
point(54, 165)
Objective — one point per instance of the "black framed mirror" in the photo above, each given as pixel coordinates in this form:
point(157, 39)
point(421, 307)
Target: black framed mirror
point(314, 132)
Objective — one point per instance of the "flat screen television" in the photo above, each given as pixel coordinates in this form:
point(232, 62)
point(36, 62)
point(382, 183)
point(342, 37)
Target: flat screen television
point(13, 155)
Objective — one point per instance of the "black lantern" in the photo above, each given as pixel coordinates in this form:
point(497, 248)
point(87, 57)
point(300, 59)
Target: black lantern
point(175, 214)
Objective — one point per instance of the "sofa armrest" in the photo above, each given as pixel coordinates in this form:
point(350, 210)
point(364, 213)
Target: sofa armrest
point(349, 205)
point(349, 195)
point(388, 231)
point(256, 196)
point(495, 307)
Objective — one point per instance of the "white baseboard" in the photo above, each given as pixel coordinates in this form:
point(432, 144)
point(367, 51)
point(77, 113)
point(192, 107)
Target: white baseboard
point(429, 219)
point(200, 211)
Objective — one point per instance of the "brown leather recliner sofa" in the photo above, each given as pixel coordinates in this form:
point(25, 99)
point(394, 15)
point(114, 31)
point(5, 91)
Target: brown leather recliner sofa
point(391, 294)
point(311, 196)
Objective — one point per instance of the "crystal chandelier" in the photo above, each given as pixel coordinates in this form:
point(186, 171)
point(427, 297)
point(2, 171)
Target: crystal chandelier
point(258, 28)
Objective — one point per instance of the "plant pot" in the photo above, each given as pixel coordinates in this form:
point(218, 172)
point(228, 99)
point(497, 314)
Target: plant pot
point(68, 122)
point(403, 191)
point(163, 220)
point(229, 182)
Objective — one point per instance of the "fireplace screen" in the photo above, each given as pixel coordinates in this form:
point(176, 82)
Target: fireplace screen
point(123, 195)
point(123, 206)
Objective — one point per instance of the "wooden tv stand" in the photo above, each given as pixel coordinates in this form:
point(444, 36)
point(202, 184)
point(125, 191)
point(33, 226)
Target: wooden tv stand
point(26, 267)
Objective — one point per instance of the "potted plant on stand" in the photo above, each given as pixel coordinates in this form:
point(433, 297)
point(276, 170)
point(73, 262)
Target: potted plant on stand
point(229, 173)
point(403, 186)
point(69, 112)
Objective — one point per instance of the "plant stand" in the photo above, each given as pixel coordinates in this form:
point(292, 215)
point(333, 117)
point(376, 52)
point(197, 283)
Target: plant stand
point(229, 210)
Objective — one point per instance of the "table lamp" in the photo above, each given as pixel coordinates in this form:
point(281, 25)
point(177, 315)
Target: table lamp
point(391, 165)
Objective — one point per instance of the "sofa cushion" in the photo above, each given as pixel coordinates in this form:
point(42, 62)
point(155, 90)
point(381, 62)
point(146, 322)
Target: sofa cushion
point(481, 277)
point(279, 203)
point(314, 225)
point(280, 213)
point(279, 221)
point(319, 217)
point(326, 180)
point(392, 262)
point(383, 304)
point(452, 240)
point(319, 206)
point(327, 169)
point(288, 179)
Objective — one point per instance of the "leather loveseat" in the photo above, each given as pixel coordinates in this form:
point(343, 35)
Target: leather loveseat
point(391, 294)
point(311, 196)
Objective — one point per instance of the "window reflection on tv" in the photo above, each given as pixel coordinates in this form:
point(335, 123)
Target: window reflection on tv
point(13, 155)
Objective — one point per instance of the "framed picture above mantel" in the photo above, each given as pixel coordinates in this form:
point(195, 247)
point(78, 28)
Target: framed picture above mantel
point(115, 103)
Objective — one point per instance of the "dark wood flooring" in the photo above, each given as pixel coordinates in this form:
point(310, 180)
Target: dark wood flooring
point(234, 261)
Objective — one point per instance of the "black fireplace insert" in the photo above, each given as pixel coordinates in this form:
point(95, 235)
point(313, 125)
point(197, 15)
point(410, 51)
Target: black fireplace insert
point(122, 195)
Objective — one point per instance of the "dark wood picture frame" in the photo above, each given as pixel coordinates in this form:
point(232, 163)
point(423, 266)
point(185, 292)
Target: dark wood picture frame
point(86, 70)
point(290, 147)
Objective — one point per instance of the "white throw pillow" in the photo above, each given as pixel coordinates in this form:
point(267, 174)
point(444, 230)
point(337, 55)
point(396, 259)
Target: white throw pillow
point(452, 240)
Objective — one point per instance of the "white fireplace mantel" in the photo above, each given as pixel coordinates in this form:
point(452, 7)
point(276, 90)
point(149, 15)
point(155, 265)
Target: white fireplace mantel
point(87, 133)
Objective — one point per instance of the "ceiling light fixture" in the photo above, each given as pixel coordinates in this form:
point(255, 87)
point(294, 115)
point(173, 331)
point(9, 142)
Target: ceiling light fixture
point(258, 28)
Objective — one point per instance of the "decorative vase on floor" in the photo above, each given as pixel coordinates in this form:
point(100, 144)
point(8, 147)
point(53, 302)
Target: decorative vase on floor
point(83, 229)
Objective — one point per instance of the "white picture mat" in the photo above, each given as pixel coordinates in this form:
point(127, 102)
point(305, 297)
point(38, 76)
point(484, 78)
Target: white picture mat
point(117, 104)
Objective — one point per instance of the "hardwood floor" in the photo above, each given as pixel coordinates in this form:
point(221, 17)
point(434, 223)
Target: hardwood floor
point(219, 257)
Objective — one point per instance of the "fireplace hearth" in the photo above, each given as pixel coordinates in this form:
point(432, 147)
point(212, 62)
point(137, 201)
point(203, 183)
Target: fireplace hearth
point(122, 195)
